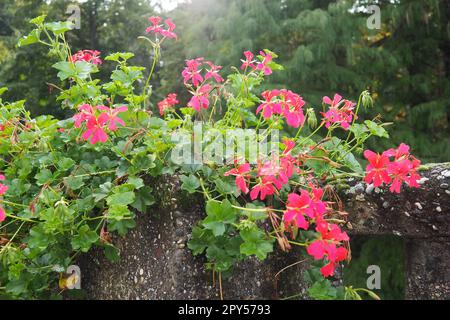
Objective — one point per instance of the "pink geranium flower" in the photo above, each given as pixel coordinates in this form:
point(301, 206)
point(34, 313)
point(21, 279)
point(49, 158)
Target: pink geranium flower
point(328, 246)
point(112, 114)
point(298, 206)
point(91, 56)
point(86, 112)
point(200, 98)
point(266, 187)
point(340, 112)
point(2, 215)
point(402, 169)
point(264, 64)
point(271, 104)
point(377, 170)
point(191, 72)
point(241, 174)
point(249, 61)
point(157, 28)
point(167, 103)
point(213, 72)
point(169, 32)
point(95, 131)
point(283, 102)
point(3, 188)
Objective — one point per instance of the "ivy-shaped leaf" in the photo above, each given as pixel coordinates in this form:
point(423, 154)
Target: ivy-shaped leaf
point(84, 239)
point(256, 243)
point(190, 183)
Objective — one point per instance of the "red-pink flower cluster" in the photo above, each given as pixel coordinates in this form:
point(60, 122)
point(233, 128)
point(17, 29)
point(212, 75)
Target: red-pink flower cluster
point(91, 56)
point(169, 102)
point(271, 175)
point(403, 168)
point(306, 208)
point(340, 112)
point(285, 103)
point(192, 74)
point(242, 174)
point(96, 125)
point(158, 28)
point(3, 189)
point(329, 246)
point(263, 65)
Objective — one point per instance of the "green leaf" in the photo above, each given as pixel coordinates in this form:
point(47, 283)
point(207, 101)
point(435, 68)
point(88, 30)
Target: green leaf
point(225, 187)
point(120, 56)
point(84, 239)
point(80, 69)
point(121, 199)
point(32, 37)
point(220, 214)
point(118, 213)
point(59, 27)
point(200, 240)
point(74, 183)
point(38, 239)
point(65, 164)
point(121, 226)
point(256, 243)
point(136, 182)
point(376, 129)
point(174, 123)
point(38, 20)
point(43, 177)
point(144, 199)
point(322, 290)
point(112, 253)
point(190, 184)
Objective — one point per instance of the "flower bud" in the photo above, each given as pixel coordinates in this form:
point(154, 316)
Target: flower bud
point(367, 100)
point(312, 119)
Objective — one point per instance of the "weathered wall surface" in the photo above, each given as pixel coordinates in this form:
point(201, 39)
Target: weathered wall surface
point(156, 264)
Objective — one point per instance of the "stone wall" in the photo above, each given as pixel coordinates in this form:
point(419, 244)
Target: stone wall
point(156, 264)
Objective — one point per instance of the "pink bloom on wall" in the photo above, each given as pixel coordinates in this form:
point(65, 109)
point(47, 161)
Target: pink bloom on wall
point(285, 103)
point(328, 247)
point(95, 131)
point(86, 112)
point(169, 32)
point(2, 215)
point(112, 114)
point(169, 102)
point(402, 169)
point(200, 98)
point(192, 72)
point(340, 112)
point(241, 174)
point(264, 64)
point(91, 56)
point(377, 170)
point(271, 105)
point(213, 72)
point(158, 28)
point(249, 61)
point(297, 207)
point(266, 187)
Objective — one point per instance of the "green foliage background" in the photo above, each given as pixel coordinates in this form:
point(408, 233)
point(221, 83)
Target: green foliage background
point(324, 45)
